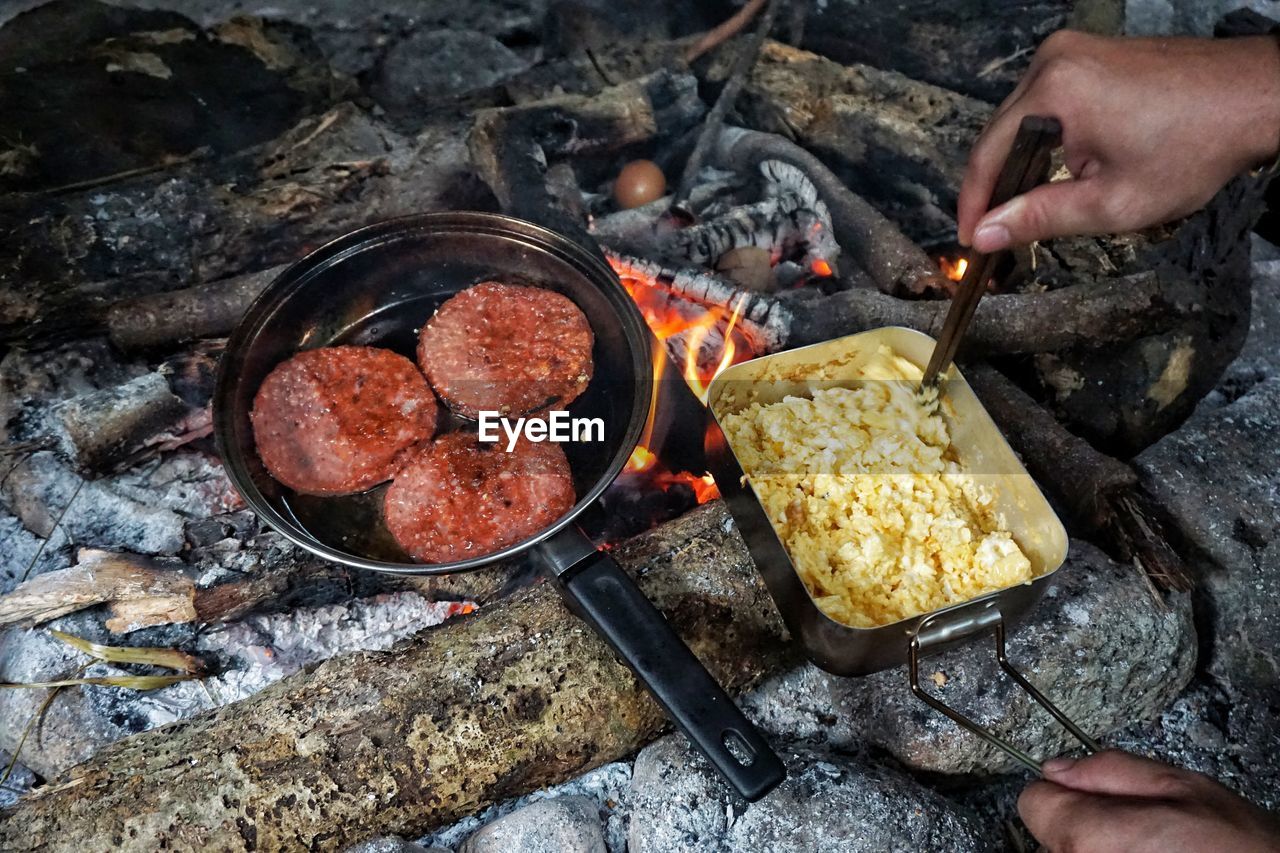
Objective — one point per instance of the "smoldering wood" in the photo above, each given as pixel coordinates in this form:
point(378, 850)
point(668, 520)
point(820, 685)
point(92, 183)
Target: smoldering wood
point(791, 215)
point(112, 429)
point(766, 320)
point(1101, 495)
point(895, 263)
point(519, 696)
point(511, 147)
point(67, 259)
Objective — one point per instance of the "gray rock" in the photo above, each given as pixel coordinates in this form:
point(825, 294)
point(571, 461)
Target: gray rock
point(392, 844)
point(1259, 359)
point(560, 825)
point(1219, 475)
point(1097, 645)
point(828, 803)
point(608, 787)
point(429, 67)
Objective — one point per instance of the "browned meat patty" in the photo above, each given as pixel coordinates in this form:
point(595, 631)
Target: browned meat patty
point(333, 421)
point(459, 498)
point(506, 348)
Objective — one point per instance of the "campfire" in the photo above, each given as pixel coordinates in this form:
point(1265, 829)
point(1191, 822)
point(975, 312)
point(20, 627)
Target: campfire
point(809, 159)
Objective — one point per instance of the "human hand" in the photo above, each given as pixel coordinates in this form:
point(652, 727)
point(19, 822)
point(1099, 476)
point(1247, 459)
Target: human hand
point(1151, 129)
point(1114, 801)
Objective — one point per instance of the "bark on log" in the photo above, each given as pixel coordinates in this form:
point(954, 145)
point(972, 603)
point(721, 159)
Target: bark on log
point(65, 259)
point(517, 697)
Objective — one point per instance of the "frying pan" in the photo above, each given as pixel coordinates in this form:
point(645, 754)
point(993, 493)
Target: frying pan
point(980, 449)
point(376, 287)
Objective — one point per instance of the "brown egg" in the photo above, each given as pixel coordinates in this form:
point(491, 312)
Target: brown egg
point(639, 182)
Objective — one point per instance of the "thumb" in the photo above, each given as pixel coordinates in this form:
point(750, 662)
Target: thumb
point(1119, 774)
point(1060, 209)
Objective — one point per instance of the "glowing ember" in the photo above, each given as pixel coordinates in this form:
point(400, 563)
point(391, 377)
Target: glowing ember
point(821, 268)
point(953, 269)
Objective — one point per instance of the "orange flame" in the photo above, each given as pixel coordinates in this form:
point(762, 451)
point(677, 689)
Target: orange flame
point(953, 269)
point(666, 321)
point(821, 268)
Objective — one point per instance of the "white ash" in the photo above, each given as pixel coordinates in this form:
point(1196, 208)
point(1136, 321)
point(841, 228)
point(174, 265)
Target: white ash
point(608, 786)
point(33, 379)
point(19, 782)
point(143, 510)
point(21, 556)
point(265, 648)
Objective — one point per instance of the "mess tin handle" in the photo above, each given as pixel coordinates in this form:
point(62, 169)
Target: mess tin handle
point(602, 594)
point(933, 635)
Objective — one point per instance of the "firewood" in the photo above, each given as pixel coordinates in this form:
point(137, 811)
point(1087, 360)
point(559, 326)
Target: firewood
point(517, 697)
point(141, 591)
point(203, 311)
point(747, 53)
point(1102, 312)
point(511, 146)
point(1102, 495)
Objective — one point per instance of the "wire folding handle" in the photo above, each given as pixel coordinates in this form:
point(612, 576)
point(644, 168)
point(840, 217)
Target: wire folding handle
point(981, 731)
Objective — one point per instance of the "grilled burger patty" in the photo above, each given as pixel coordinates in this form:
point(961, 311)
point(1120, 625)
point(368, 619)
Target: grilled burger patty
point(506, 348)
point(333, 421)
point(459, 498)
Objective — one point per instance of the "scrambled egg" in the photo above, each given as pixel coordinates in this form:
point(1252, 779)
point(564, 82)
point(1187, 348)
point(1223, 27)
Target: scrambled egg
point(863, 488)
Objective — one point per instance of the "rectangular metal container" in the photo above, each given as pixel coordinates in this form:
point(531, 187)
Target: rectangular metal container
point(980, 449)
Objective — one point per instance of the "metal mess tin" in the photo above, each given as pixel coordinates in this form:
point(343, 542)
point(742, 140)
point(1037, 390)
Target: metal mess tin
point(979, 448)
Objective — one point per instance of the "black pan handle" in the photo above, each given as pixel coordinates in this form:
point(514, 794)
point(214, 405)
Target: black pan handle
point(602, 594)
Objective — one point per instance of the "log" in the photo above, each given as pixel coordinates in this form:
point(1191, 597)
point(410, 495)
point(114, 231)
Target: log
point(142, 592)
point(1102, 496)
point(202, 311)
point(517, 697)
point(64, 260)
point(1102, 312)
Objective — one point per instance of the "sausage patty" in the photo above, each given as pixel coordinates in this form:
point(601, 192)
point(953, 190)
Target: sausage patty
point(459, 498)
point(506, 348)
point(332, 421)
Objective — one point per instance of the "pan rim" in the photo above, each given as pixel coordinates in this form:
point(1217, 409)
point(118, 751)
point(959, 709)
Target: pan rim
point(294, 277)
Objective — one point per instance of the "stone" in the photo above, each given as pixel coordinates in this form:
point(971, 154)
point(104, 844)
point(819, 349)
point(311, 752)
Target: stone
point(429, 67)
point(1097, 645)
point(392, 844)
point(1219, 477)
point(560, 825)
point(606, 787)
point(829, 802)
point(1259, 359)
